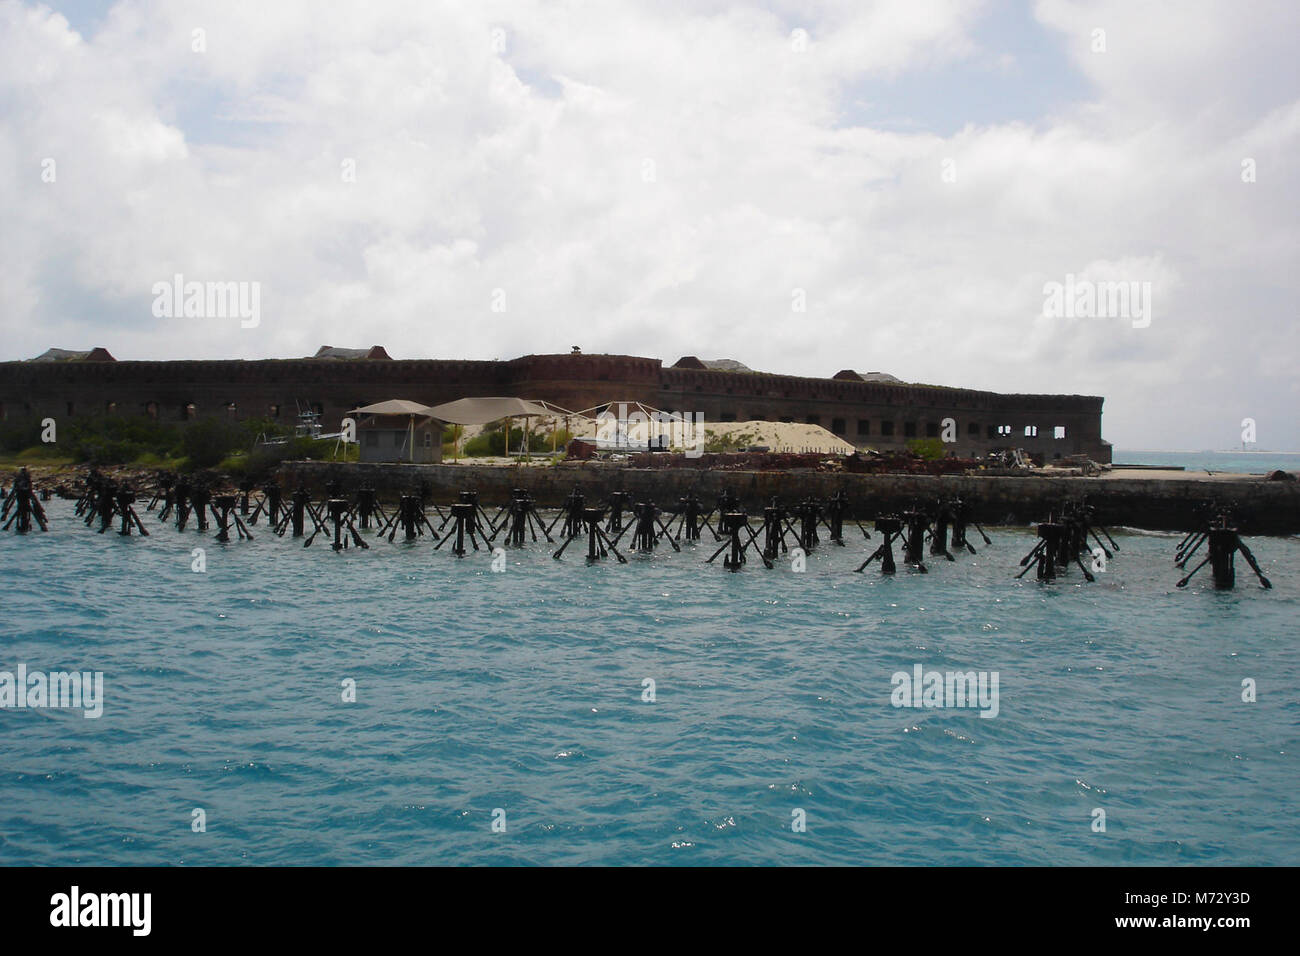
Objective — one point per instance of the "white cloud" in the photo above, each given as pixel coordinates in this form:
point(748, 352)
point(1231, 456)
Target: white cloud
point(656, 179)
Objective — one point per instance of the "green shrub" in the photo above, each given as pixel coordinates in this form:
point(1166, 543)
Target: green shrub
point(450, 436)
point(136, 439)
point(252, 430)
point(927, 448)
point(153, 460)
point(718, 444)
point(484, 444)
point(17, 434)
point(492, 441)
point(109, 440)
point(206, 442)
point(42, 452)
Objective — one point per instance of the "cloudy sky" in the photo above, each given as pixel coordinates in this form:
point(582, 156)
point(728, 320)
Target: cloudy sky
point(804, 186)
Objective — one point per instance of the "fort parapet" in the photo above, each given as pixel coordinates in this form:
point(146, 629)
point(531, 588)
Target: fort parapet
point(876, 414)
point(1267, 507)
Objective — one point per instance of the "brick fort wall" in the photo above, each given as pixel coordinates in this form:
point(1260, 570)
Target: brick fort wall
point(868, 414)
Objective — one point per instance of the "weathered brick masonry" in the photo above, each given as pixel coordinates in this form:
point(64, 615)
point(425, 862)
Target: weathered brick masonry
point(1266, 507)
point(869, 414)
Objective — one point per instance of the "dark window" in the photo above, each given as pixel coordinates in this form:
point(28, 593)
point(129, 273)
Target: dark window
point(372, 439)
point(991, 432)
point(837, 426)
point(909, 429)
point(275, 411)
point(864, 426)
point(727, 417)
point(931, 430)
point(151, 409)
point(188, 412)
point(973, 430)
point(886, 428)
point(69, 408)
point(814, 420)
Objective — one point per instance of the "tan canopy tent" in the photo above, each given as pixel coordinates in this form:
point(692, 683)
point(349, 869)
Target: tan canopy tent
point(638, 424)
point(396, 408)
point(480, 411)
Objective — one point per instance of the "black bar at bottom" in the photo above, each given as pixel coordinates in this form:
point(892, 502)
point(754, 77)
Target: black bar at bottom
point(333, 906)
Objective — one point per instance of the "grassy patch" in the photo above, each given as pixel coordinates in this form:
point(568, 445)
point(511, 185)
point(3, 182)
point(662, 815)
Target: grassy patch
point(491, 442)
point(928, 449)
point(721, 444)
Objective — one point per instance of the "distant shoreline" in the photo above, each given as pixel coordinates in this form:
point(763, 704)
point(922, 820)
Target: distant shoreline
point(1212, 462)
point(1162, 451)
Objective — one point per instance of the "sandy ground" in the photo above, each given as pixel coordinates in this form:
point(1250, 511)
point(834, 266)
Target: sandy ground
point(538, 461)
point(783, 436)
point(1170, 474)
point(777, 436)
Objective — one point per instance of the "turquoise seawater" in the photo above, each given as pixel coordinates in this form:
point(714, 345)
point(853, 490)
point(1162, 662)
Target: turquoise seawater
point(522, 691)
point(1246, 463)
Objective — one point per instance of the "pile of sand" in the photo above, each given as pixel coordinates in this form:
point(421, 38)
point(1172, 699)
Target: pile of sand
point(777, 436)
point(780, 436)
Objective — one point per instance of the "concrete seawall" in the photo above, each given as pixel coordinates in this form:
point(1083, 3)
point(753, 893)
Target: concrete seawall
point(1265, 507)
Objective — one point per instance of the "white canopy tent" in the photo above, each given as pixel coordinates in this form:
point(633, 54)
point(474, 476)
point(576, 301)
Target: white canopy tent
point(481, 411)
point(635, 423)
